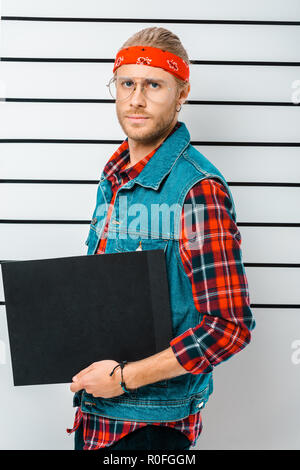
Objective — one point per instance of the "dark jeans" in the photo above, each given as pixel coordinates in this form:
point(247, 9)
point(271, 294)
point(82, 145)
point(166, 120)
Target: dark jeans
point(150, 437)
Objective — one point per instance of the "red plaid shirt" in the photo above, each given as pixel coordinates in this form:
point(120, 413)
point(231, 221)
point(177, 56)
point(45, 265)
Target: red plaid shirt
point(220, 293)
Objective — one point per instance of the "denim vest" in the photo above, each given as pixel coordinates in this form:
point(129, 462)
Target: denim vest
point(166, 179)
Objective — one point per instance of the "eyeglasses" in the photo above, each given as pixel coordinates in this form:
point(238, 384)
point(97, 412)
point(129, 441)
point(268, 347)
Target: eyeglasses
point(121, 88)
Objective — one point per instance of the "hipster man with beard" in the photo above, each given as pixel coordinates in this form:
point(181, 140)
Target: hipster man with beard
point(156, 403)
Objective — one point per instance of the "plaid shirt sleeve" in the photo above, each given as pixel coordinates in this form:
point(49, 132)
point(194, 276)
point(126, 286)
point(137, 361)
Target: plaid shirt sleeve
point(213, 263)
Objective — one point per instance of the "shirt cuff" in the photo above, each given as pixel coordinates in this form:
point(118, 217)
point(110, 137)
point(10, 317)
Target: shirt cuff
point(189, 353)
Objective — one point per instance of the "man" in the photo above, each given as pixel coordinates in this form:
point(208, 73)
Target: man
point(156, 403)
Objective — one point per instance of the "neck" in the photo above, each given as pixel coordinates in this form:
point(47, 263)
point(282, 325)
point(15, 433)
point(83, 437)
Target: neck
point(138, 150)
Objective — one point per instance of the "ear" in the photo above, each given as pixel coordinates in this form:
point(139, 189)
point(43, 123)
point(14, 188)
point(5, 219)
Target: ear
point(184, 92)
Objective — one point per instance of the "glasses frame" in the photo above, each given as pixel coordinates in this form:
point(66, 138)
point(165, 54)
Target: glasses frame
point(113, 79)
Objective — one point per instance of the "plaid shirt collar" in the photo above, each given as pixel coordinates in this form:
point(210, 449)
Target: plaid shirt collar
point(114, 169)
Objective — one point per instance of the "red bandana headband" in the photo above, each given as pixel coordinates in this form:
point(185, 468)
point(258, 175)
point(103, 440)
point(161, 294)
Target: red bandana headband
point(154, 57)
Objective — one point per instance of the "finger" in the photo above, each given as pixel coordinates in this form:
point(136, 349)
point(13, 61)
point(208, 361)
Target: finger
point(76, 386)
point(82, 373)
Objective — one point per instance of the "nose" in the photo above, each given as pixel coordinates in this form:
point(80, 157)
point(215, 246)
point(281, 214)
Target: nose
point(137, 97)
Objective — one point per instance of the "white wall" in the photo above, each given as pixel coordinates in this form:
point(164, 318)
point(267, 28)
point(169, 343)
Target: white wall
point(254, 139)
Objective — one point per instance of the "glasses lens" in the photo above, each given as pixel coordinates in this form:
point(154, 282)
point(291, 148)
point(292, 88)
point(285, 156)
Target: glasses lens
point(112, 88)
point(157, 91)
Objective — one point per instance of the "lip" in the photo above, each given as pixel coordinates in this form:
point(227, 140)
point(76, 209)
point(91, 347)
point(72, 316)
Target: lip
point(137, 118)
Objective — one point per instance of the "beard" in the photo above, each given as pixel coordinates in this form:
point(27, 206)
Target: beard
point(153, 130)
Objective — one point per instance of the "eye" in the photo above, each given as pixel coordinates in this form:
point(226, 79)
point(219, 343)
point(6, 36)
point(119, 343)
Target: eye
point(155, 85)
point(127, 83)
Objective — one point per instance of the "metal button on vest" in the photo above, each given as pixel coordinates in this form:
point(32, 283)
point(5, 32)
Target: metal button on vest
point(94, 221)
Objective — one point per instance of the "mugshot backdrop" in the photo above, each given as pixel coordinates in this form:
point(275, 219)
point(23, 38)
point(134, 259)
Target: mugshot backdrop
point(58, 128)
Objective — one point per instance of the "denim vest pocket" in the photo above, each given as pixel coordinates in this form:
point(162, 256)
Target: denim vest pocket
point(199, 400)
point(141, 244)
point(92, 239)
point(88, 239)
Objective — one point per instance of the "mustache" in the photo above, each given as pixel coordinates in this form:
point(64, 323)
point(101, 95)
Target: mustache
point(135, 113)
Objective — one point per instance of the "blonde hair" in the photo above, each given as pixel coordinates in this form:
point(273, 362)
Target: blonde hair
point(162, 38)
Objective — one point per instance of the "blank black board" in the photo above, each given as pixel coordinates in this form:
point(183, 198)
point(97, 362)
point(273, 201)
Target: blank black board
point(63, 314)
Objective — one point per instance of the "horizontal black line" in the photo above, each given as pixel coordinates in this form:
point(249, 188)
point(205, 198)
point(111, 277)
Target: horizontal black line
point(241, 103)
point(62, 181)
point(43, 181)
point(61, 141)
point(54, 222)
point(262, 183)
point(268, 224)
point(194, 62)
point(246, 144)
point(56, 100)
point(275, 305)
point(251, 305)
point(108, 101)
point(272, 265)
point(116, 142)
point(151, 20)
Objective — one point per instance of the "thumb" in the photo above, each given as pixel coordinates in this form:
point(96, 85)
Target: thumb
point(76, 386)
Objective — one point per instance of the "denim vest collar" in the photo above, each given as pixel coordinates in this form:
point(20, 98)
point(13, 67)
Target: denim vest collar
point(162, 162)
